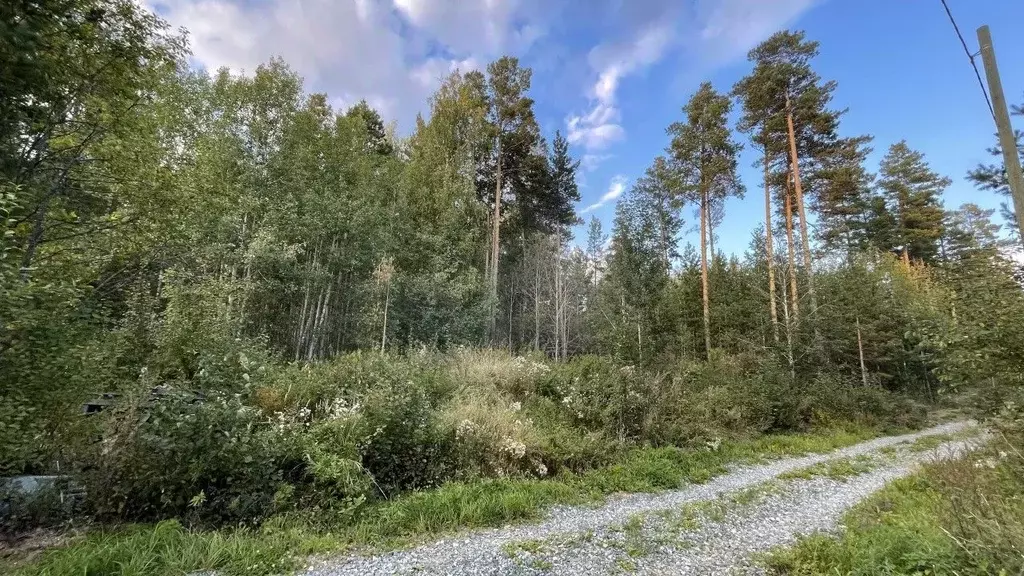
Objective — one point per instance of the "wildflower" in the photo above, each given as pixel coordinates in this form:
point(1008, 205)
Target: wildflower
point(542, 470)
point(517, 406)
point(513, 448)
point(464, 428)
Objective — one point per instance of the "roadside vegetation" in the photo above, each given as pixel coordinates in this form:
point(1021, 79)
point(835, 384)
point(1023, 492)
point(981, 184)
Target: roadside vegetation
point(954, 517)
point(239, 326)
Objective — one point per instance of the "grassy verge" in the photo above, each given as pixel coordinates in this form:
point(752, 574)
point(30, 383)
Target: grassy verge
point(952, 518)
point(283, 543)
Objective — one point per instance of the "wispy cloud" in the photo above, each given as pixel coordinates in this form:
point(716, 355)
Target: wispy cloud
point(600, 127)
point(615, 189)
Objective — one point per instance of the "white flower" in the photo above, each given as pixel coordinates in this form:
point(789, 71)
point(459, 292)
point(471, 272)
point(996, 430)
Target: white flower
point(513, 448)
point(517, 406)
point(542, 470)
point(464, 428)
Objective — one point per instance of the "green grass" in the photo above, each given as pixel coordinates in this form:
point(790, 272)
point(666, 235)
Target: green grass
point(952, 518)
point(283, 543)
point(839, 469)
point(896, 531)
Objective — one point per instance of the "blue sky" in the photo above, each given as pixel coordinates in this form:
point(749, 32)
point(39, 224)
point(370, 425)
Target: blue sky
point(612, 74)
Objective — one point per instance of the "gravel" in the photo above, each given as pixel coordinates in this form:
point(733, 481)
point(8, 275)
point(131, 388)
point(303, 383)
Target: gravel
point(711, 528)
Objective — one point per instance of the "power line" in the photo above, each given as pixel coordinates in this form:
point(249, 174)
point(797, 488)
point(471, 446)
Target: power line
point(970, 57)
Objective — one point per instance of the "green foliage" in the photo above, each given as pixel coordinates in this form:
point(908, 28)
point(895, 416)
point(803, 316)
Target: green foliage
point(181, 455)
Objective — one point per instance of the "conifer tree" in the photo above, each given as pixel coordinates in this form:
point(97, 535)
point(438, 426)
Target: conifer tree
point(785, 103)
point(703, 162)
point(845, 198)
point(913, 190)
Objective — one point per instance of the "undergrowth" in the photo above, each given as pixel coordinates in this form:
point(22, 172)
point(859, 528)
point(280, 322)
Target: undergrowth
point(282, 542)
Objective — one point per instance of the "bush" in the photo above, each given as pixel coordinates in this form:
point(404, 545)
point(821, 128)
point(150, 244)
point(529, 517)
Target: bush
point(494, 437)
point(210, 459)
point(599, 396)
point(485, 369)
point(21, 433)
point(406, 448)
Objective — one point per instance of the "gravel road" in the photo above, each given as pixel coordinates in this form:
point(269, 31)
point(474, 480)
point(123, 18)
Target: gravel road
point(712, 528)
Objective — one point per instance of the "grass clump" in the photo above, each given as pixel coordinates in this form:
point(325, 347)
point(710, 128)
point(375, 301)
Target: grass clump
point(840, 469)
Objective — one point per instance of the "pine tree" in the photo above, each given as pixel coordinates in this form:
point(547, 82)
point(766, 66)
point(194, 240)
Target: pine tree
point(703, 164)
point(786, 104)
point(844, 201)
point(513, 160)
point(913, 193)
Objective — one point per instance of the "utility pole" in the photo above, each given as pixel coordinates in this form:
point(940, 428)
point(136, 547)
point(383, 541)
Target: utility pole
point(1002, 117)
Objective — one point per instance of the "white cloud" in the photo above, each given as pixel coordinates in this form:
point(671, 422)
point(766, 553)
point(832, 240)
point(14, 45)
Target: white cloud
point(615, 189)
point(590, 162)
point(600, 127)
point(729, 28)
point(715, 32)
point(393, 53)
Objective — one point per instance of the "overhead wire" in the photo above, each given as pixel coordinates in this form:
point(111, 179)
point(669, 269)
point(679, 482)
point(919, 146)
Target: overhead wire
point(970, 56)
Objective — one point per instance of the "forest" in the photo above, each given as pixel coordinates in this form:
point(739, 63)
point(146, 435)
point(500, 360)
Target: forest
point(288, 321)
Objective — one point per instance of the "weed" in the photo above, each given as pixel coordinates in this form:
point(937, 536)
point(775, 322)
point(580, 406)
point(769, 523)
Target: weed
point(840, 469)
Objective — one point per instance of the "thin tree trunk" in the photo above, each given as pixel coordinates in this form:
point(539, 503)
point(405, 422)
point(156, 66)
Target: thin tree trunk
point(302, 322)
point(704, 271)
point(639, 345)
point(804, 237)
point(770, 250)
point(558, 305)
point(794, 295)
point(536, 305)
point(790, 359)
point(495, 239)
point(384, 329)
point(860, 352)
point(906, 255)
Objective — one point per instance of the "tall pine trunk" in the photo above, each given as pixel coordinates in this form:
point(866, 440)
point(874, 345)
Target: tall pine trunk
point(704, 270)
point(804, 237)
point(770, 249)
point(794, 295)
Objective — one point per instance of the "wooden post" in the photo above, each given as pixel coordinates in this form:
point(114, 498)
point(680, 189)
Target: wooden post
point(1007, 142)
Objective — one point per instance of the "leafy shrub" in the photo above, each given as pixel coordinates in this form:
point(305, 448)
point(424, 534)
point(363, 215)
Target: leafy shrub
point(406, 447)
point(209, 459)
point(599, 396)
point(21, 432)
